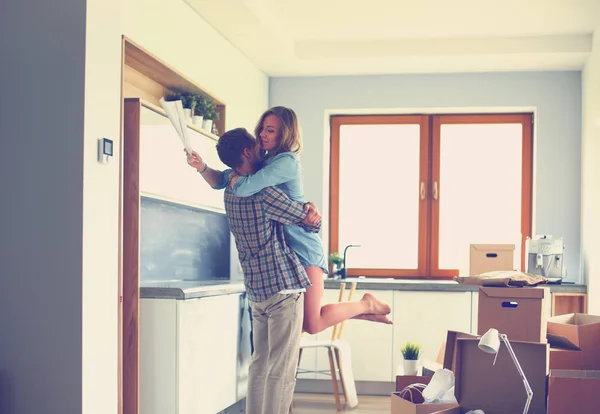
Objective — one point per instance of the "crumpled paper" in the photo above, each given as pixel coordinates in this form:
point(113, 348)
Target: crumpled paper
point(441, 388)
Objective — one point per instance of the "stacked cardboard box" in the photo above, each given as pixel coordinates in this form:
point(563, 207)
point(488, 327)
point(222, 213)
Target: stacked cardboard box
point(574, 381)
point(565, 378)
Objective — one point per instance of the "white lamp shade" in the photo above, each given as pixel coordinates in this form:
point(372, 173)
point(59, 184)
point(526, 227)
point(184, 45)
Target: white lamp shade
point(490, 341)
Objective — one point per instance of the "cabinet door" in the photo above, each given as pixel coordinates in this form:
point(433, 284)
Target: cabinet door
point(370, 342)
point(244, 347)
point(158, 356)
point(425, 318)
point(207, 353)
point(474, 311)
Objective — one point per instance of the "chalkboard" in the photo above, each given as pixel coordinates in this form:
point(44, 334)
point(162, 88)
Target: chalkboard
point(179, 242)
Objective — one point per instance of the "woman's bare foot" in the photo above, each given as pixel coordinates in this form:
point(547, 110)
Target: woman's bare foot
point(374, 305)
point(374, 318)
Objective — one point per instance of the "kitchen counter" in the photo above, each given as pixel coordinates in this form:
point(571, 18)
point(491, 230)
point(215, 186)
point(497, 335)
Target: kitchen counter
point(182, 290)
point(374, 283)
point(190, 289)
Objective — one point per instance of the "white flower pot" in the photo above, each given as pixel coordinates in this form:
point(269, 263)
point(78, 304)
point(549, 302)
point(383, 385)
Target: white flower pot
point(411, 366)
point(198, 120)
point(188, 115)
point(207, 125)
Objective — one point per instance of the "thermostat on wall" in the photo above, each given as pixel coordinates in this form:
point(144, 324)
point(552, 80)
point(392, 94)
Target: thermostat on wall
point(105, 150)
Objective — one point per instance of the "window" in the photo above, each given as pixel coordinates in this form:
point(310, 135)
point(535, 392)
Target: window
point(415, 191)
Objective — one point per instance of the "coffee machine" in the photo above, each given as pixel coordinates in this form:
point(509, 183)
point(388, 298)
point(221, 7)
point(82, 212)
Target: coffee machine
point(545, 257)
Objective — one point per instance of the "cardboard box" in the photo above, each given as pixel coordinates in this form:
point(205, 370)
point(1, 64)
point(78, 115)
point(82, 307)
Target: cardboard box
point(498, 389)
point(577, 331)
point(488, 257)
point(401, 406)
point(520, 313)
point(403, 381)
point(565, 359)
point(572, 391)
point(449, 361)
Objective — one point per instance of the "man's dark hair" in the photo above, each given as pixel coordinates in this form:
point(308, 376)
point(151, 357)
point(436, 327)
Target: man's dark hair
point(232, 144)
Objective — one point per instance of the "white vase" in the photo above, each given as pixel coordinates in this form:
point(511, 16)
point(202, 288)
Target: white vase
point(207, 125)
point(411, 366)
point(198, 120)
point(188, 115)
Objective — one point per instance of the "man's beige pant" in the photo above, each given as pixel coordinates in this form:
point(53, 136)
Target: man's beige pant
point(276, 326)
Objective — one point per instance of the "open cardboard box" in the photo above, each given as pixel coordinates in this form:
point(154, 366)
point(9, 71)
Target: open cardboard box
point(449, 361)
point(573, 391)
point(501, 307)
point(577, 331)
point(498, 389)
point(402, 406)
point(403, 381)
point(565, 359)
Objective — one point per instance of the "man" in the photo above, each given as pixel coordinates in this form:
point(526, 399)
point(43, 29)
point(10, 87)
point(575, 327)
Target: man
point(273, 276)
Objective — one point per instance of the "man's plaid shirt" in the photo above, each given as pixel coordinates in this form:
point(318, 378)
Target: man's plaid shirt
point(256, 222)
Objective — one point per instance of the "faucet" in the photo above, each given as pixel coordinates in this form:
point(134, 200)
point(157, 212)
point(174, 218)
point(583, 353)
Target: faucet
point(343, 269)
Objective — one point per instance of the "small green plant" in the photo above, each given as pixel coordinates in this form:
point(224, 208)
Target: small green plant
point(188, 100)
point(210, 111)
point(411, 351)
point(336, 259)
point(200, 109)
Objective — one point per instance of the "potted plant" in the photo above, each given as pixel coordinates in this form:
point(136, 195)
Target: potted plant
point(199, 110)
point(210, 115)
point(411, 352)
point(188, 101)
point(336, 262)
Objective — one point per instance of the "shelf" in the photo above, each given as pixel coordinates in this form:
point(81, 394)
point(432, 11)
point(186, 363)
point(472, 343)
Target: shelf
point(147, 77)
point(160, 111)
point(564, 303)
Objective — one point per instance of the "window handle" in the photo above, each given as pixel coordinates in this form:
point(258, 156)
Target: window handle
point(435, 190)
point(423, 191)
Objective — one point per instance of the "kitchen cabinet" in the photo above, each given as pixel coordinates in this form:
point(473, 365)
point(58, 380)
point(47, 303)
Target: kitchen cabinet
point(188, 350)
point(563, 303)
point(425, 318)
point(370, 344)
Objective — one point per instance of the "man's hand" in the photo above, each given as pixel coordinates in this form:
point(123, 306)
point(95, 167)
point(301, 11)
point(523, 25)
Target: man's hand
point(194, 160)
point(313, 217)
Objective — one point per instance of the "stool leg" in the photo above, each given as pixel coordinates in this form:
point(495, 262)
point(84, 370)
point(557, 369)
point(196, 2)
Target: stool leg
point(337, 360)
point(336, 391)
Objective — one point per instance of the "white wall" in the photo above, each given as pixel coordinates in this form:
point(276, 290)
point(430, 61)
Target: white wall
point(42, 50)
point(101, 208)
point(555, 95)
point(590, 217)
point(60, 86)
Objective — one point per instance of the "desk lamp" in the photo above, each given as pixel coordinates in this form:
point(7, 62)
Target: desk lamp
point(490, 343)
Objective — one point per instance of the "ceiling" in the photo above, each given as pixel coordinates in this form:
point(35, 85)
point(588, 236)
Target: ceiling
point(352, 37)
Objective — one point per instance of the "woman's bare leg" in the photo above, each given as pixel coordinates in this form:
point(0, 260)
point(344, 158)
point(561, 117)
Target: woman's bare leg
point(318, 318)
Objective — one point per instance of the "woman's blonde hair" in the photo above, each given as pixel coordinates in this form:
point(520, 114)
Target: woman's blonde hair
point(290, 139)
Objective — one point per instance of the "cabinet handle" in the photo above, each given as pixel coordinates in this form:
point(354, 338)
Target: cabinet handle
point(435, 190)
point(422, 190)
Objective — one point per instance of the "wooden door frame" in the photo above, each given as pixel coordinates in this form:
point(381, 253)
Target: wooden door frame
point(130, 230)
point(144, 78)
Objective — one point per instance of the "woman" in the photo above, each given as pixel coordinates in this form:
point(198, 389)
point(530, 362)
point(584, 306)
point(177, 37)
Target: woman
point(279, 144)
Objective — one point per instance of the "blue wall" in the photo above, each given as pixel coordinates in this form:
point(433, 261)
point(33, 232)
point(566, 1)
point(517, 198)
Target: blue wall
point(41, 215)
point(556, 97)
